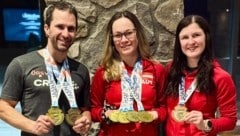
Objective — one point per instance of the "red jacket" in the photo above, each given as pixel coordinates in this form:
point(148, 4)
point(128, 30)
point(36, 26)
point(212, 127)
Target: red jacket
point(154, 77)
point(222, 98)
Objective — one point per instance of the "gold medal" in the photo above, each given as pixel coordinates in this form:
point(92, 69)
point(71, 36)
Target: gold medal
point(145, 116)
point(132, 116)
point(72, 115)
point(122, 117)
point(56, 115)
point(179, 113)
point(114, 116)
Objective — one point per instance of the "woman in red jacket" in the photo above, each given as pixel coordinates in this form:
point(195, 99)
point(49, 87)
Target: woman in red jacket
point(197, 85)
point(127, 89)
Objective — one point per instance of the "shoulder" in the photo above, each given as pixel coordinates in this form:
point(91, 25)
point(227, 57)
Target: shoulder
point(221, 77)
point(22, 65)
point(154, 63)
point(98, 76)
point(169, 65)
point(225, 85)
point(219, 72)
point(99, 71)
point(77, 66)
point(154, 67)
point(79, 72)
point(26, 59)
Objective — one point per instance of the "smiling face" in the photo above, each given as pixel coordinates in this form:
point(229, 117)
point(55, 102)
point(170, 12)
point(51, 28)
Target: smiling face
point(193, 42)
point(124, 38)
point(61, 31)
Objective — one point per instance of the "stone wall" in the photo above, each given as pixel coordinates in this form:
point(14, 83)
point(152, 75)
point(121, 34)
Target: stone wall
point(159, 18)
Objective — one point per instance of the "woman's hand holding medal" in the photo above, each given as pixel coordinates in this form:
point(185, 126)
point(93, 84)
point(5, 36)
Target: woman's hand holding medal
point(154, 114)
point(180, 114)
point(196, 118)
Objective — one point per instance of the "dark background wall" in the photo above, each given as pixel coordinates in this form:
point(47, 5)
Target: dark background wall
point(10, 49)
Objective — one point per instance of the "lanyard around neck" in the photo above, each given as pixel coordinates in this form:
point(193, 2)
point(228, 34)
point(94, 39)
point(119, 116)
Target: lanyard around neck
point(184, 94)
point(63, 80)
point(131, 87)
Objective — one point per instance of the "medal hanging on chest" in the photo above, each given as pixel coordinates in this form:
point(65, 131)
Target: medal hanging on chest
point(73, 115)
point(55, 113)
point(63, 82)
point(180, 111)
point(131, 91)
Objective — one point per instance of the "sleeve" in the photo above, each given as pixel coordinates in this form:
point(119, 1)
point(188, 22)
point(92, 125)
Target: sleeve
point(97, 95)
point(160, 85)
point(13, 81)
point(226, 98)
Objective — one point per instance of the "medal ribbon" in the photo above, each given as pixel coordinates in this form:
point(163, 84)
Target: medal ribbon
point(185, 95)
point(64, 81)
point(131, 87)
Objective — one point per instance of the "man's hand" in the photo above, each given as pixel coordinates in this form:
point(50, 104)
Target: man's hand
point(82, 125)
point(43, 125)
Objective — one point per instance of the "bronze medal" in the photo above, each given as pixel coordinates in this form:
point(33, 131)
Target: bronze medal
point(145, 116)
point(179, 113)
point(72, 115)
point(55, 113)
point(132, 116)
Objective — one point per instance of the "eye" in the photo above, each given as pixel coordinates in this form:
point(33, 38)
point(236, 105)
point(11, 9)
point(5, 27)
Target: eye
point(60, 27)
point(119, 35)
point(71, 29)
point(183, 37)
point(128, 33)
point(196, 34)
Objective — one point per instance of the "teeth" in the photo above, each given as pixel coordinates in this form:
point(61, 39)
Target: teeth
point(191, 49)
point(125, 47)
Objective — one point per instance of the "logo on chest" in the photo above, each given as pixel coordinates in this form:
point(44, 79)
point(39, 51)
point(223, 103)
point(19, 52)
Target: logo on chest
point(147, 78)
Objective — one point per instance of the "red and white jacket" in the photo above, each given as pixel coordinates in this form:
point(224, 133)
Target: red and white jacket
point(153, 77)
point(223, 99)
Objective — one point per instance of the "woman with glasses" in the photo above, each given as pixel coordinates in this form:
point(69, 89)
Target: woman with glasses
point(127, 88)
point(198, 86)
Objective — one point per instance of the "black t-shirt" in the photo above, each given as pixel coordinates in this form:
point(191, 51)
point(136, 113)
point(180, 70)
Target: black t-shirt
point(26, 81)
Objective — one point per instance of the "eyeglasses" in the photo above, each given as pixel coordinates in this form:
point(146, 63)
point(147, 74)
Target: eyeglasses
point(129, 34)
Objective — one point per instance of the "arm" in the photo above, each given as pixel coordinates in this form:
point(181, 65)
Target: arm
point(160, 85)
point(97, 96)
point(226, 98)
point(12, 91)
point(226, 102)
point(16, 119)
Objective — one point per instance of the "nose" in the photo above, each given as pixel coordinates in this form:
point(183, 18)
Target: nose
point(124, 38)
point(191, 40)
point(65, 32)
